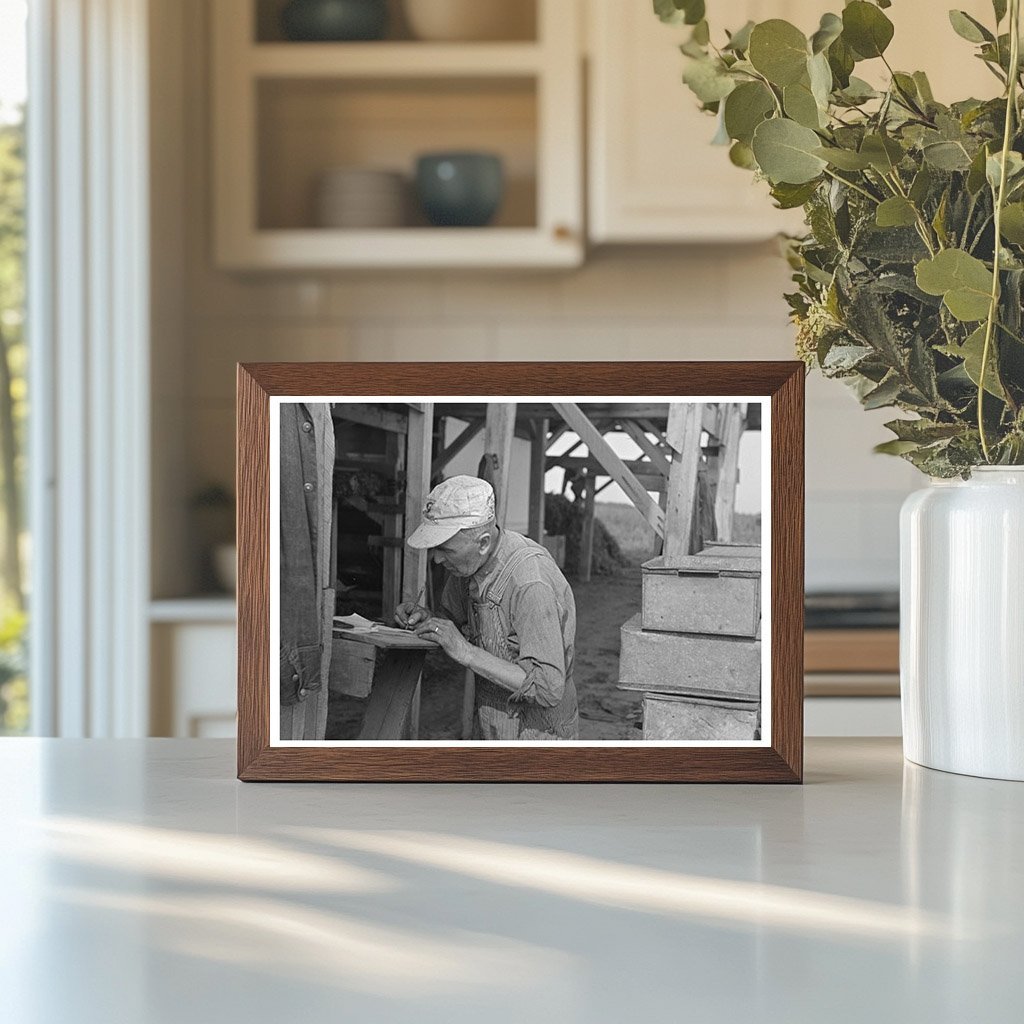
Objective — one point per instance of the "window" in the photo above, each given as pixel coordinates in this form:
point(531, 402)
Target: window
point(14, 706)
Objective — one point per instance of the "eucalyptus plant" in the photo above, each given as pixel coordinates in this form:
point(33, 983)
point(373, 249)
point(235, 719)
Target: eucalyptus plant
point(909, 280)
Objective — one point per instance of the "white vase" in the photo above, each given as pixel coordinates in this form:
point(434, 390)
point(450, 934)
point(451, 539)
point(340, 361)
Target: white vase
point(962, 624)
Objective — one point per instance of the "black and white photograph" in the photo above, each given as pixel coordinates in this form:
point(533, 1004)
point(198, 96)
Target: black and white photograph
point(563, 571)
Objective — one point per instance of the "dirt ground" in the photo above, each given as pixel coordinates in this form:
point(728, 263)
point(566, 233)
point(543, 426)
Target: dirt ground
point(602, 606)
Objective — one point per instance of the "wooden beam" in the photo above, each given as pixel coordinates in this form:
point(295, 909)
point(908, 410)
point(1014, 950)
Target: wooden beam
point(540, 410)
point(464, 438)
point(646, 445)
point(652, 428)
point(612, 464)
point(728, 471)
point(584, 462)
point(501, 422)
point(538, 467)
point(685, 423)
point(370, 416)
point(554, 433)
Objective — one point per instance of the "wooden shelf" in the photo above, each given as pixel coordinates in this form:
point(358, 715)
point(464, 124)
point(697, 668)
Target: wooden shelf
point(284, 113)
point(400, 247)
point(393, 60)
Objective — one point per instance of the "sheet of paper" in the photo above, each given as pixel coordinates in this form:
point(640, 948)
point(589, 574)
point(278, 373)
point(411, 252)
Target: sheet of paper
point(359, 624)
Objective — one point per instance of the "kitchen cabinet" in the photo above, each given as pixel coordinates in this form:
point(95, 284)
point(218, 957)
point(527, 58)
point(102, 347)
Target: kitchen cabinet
point(653, 175)
point(193, 673)
point(287, 113)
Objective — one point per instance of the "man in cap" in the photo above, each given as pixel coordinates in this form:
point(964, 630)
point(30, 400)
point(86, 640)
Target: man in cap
point(507, 613)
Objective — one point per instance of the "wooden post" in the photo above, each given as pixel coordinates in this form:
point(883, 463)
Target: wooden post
point(418, 453)
point(728, 471)
point(392, 553)
point(683, 437)
point(587, 539)
point(538, 465)
point(419, 443)
point(498, 432)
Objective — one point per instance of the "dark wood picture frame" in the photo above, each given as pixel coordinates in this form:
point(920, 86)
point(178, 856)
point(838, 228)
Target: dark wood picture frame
point(781, 761)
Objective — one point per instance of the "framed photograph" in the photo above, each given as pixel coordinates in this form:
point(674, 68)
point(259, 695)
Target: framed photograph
point(513, 572)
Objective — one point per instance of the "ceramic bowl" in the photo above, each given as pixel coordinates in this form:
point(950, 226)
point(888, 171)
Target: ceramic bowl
point(460, 189)
point(468, 20)
point(334, 20)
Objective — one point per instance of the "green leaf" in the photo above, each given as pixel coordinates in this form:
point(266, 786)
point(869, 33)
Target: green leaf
point(1014, 169)
point(721, 136)
point(971, 352)
point(866, 29)
point(745, 108)
point(885, 394)
point(785, 152)
point(921, 186)
point(999, 6)
point(844, 159)
point(896, 212)
point(895, 447)
point(841, 60)
point(946, 156)
point(820, 76)
point(789, 197)
point(778, 50)
point(963, 281)
point(800, 105)
point(968, 28)
point(739, 41)
point(858, 91)
point(883, 153)
point(830, 29)
point(939, 220)
point(923, 431)
point(707, 80)
point(1012, 223)
point(701, 33)
point(742, 155)
point(976, 174)
point(924, 88)
point(676, 12)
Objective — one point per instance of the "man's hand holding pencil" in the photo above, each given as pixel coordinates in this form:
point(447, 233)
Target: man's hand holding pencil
point(409, 614)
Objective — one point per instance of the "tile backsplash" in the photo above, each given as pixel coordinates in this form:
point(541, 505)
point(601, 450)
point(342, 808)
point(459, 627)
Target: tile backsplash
point(717, 302)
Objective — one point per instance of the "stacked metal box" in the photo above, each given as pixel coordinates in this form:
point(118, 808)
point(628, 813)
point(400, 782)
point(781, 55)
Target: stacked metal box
point(694, 650)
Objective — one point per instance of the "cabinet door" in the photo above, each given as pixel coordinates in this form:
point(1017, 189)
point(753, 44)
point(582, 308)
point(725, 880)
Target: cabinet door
point(654, 175)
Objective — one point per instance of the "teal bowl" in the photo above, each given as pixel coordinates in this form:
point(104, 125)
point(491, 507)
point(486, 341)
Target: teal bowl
point(334, 21)
point(462, 190)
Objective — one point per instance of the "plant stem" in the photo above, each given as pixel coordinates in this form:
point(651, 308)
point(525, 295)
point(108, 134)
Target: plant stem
point(922, 225)
point(993, 309)
point(850, 184)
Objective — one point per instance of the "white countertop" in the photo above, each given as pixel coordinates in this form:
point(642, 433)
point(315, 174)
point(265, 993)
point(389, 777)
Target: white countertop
point(142, 884)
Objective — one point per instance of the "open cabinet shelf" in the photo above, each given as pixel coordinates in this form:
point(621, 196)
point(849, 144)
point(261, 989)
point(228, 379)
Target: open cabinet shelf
point(286, 114)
